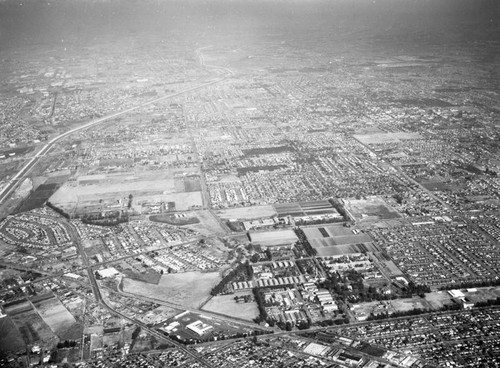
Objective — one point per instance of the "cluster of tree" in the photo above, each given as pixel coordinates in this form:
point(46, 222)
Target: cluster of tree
point(414, 312)
point(305, 243)
point(66, 344)
point(488, 303)
point(243, 271)
point(111, 219)
point(320, 221)
point(331, 322)
point(338, 284)
point(415, 289)
point(339, 207)
point(243, 298)
point(260, 305)
point(306, 266)
point(472, 284)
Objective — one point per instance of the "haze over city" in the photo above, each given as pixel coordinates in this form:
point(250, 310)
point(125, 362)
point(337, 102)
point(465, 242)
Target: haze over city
point(241, 183)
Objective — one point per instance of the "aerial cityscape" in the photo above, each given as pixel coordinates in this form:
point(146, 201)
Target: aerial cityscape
point(249, 183)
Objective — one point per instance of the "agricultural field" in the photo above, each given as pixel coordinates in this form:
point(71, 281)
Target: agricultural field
point(309, 208)
point(337, 240)
point(59, 319)
point(247, 213)
point(370, 209)
point(225, 304)
point(189, 289)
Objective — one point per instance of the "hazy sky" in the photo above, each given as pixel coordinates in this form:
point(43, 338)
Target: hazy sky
point(36, 21)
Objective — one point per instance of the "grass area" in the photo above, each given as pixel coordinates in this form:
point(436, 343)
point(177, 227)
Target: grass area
point(225, 304)
point(188, 288)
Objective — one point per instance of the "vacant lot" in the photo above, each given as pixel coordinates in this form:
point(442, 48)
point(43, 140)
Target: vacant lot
point(188, 288)
point(225, 304)
point(59, 319)
point(247, 213)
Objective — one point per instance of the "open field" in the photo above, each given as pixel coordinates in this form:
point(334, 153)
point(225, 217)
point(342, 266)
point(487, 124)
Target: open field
point(225, 304)
point(59, 319)
point(247, 213)
point(187, 288)
point(91, 192)
point(10, 338)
